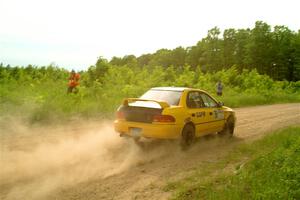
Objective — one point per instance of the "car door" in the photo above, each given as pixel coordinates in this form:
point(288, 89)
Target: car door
point(199, 114)
point(215, 113)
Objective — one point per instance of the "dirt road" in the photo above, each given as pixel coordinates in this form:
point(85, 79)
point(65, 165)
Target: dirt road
point(88, 160)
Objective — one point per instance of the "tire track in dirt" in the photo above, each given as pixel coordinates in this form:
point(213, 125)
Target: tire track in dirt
point(89, 161)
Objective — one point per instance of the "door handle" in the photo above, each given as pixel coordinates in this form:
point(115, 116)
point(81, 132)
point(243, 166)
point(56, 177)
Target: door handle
point(210, 113)
point(193, 114)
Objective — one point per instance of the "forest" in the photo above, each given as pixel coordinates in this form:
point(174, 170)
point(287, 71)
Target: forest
point(257, 66)
point(271, 51)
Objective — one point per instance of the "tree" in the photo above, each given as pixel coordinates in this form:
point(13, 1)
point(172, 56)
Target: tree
point(294, 62)
point(162, 57)
point(193, 56)
point(98, 71)
point(117, 61)
point(178, 57)
point(282, 67)
point(144, 60)
point(229, 47)
point(259, 51)
point(242, 40)
point(212, 46)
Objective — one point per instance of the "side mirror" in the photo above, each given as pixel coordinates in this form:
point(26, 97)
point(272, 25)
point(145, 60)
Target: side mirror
point(220, 104)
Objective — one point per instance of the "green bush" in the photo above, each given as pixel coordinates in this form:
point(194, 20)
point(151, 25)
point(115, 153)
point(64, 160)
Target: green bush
point(39, 93)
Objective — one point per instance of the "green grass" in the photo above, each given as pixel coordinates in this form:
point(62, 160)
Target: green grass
point(265, 169)
point(235, 100)
point(43, 98)
point(49, 102)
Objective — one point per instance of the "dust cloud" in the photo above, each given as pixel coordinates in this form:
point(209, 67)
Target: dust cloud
point(39, 160)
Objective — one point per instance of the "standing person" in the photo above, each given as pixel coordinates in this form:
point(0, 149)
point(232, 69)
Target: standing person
point(219, 88)
point(73, 82)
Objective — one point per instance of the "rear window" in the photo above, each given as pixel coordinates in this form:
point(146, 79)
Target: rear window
point(171, 97)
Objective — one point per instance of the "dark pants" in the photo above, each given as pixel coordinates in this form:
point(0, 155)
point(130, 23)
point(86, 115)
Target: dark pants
point(219, 93)
point(73, 89)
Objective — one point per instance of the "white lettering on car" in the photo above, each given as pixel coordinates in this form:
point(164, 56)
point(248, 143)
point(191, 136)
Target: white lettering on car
point(219, 114)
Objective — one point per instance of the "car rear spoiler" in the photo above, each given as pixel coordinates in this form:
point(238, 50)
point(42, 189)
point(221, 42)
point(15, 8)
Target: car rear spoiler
point(161, 103)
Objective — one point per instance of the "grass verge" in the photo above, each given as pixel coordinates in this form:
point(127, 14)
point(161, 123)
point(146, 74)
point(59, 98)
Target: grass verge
point(265, 169)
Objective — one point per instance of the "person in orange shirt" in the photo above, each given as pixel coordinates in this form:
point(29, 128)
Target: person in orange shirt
point(73, 82)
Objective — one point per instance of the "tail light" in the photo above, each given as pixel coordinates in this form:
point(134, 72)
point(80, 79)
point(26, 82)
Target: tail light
point(120, 115)
point(163, 118)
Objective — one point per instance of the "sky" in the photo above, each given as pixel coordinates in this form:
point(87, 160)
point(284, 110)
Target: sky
point(74, 33)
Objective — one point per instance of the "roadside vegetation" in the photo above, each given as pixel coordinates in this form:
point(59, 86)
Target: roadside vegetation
point(40, 94)
point(257, 66)
point(265, 169)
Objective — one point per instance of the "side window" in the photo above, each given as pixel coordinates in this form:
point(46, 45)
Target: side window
point(208, 101)
point(194, 100)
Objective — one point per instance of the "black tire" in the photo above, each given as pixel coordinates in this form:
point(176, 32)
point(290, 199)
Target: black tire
point(188, 135)
point(228, 127)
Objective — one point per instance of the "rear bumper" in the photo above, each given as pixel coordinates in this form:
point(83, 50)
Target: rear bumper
point(153, 130)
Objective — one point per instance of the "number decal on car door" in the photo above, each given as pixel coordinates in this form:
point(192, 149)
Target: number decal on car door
point(219, 114)
point(200, 114)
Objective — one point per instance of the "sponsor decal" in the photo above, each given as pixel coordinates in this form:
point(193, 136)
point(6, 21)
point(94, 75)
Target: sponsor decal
point(200, 114)
point(219, 114)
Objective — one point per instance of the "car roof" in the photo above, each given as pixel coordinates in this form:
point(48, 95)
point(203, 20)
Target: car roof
point(178, 89)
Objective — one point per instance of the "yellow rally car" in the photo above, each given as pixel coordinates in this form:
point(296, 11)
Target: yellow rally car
point(174, 112)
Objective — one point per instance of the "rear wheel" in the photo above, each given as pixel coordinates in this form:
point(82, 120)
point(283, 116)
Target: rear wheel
point(188, 135)
point(228, 127)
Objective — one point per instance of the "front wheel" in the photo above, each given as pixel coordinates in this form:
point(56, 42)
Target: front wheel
point(228, 127)
point(188, 135)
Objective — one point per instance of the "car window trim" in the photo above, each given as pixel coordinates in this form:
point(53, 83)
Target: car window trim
point(186, 102)
point(211, 98)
